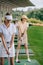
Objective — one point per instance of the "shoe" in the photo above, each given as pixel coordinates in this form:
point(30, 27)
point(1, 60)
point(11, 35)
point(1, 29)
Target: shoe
point(17, 61)
point(29, 60)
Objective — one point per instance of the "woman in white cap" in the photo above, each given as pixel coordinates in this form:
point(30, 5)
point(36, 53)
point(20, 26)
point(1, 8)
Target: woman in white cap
point(7, 33)
point(22, 36)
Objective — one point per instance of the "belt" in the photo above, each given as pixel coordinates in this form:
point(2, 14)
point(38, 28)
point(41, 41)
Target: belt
point(0, 41)
point(8, 42)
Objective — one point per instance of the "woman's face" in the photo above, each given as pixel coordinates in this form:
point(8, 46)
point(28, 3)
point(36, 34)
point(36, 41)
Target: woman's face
point(24, 19)
point(7, 21)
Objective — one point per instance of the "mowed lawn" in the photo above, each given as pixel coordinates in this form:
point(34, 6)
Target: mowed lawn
point(35, 38)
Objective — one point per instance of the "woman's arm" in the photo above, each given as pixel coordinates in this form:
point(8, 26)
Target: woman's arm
point(12, 40)
point(0, 34)
point(4, 43)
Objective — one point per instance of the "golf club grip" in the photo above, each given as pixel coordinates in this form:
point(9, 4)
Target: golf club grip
point(8, 58)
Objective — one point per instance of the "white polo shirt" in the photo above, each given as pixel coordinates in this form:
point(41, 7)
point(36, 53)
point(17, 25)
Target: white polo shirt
point(7, 32)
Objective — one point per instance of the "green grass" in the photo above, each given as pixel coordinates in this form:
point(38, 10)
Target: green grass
point(35, 38)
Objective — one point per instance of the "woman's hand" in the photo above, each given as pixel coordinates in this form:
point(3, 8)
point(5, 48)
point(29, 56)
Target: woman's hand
point(8, 52)
point(22, 34)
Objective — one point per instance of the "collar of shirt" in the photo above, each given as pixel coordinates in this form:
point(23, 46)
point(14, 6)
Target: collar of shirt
point(5, 26)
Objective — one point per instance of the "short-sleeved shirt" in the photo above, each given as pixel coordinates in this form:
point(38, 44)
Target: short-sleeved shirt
point(23, 26)
point(7, 32)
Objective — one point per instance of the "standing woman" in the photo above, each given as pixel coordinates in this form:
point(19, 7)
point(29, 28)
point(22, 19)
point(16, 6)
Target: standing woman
point(15, 21)
point(22, 36)
point(7, 33)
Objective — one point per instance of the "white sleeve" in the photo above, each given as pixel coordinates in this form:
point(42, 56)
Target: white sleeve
point(14, 29)
point(0, 29)
point(16, 24)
